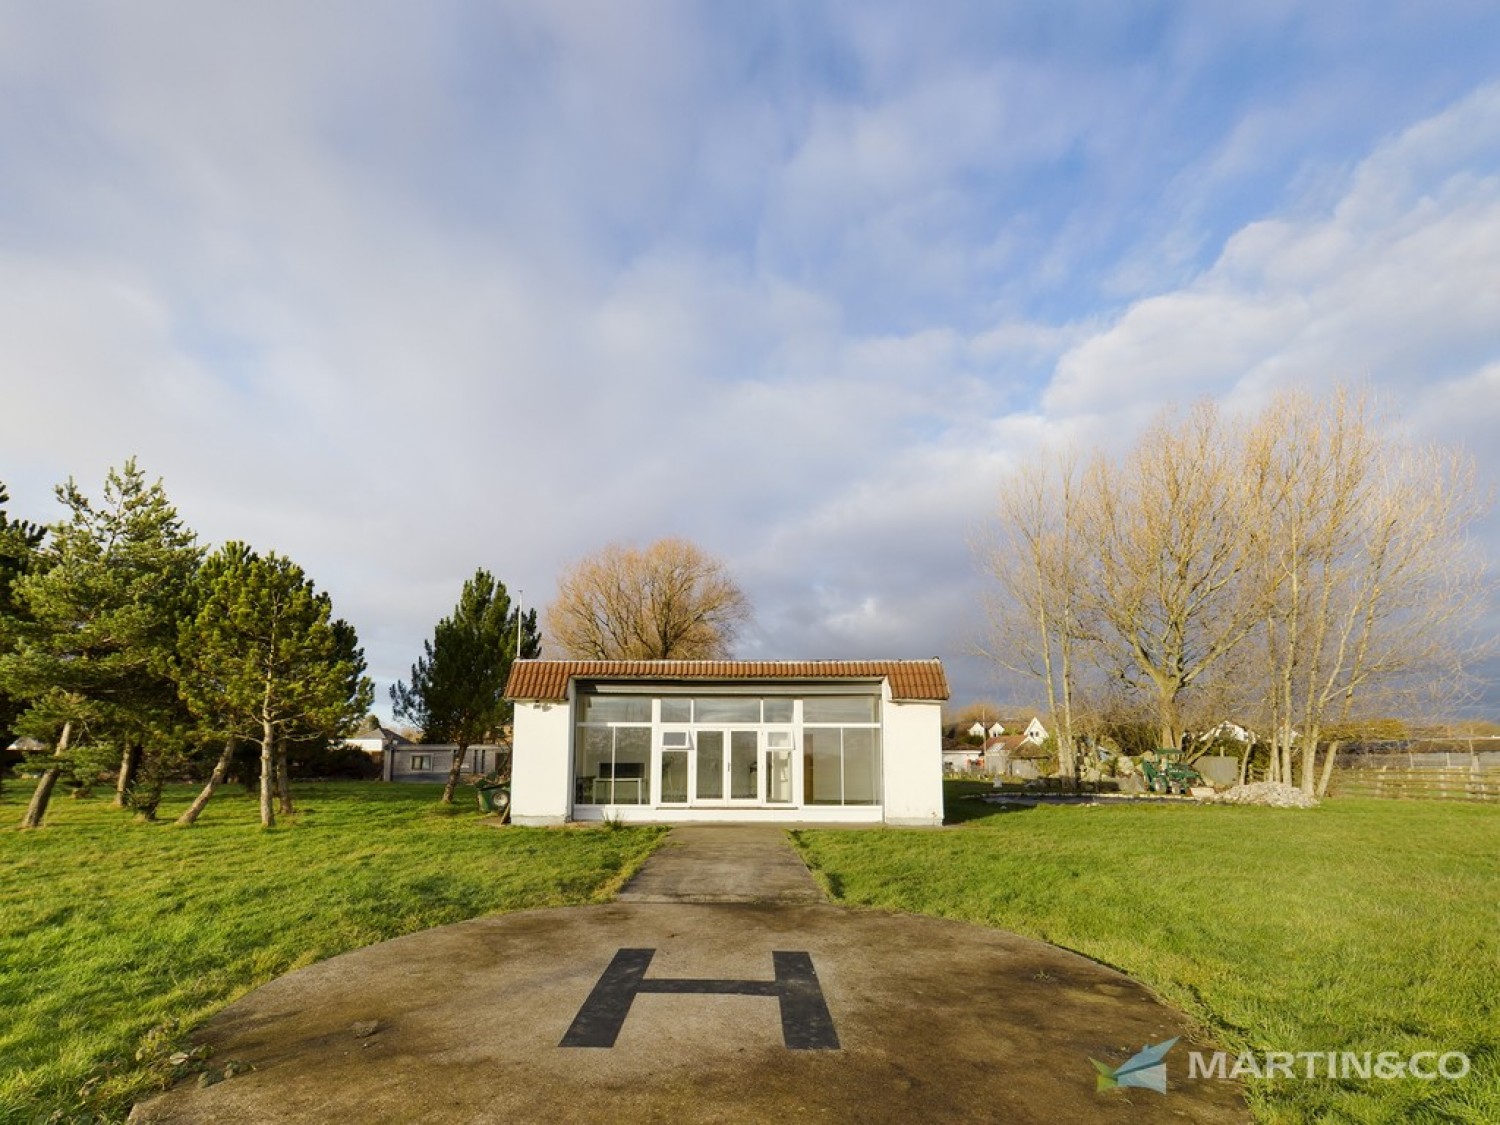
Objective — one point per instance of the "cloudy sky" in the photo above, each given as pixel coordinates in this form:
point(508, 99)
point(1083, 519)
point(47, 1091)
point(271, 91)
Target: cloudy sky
point(402, 289)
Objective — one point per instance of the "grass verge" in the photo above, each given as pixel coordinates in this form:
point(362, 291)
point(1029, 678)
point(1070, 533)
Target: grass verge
point(118, 938)
point(1359, 926)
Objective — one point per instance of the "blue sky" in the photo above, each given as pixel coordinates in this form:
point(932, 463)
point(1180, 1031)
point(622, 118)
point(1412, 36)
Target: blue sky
point(402, 290)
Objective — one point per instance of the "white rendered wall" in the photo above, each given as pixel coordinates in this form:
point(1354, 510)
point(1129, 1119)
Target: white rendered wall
point(729, 814)
point(913, 762)
point(541, 775)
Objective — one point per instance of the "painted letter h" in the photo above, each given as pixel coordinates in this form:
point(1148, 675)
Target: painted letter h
point(805, 1022)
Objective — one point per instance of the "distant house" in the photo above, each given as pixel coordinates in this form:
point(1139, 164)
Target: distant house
point(1227, 731)
point(960, 757)
point(1005, 742)
point(376, 741)
point(1017, 749)
point(401, 759)
point(1031, 730)
point(415, 761)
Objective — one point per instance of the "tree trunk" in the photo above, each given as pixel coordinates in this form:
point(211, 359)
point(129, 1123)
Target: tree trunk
point(267, 769)
point(130, 760)
point(37, 809)
point(1327, 775)
point(453, 771)
point(221, 770)
point(40, 797)
point(1169, 727)
point(283, 779)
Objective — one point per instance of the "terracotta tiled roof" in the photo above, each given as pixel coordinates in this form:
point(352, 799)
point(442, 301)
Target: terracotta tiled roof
point(548, 679)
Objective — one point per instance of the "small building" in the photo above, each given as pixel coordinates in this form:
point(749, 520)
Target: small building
point(730, 741)
point(1018, 753)
point(376, 741)
point(417, 761)
point(962, 758)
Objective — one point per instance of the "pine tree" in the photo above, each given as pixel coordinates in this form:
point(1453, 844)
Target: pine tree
point(264, 660)
point(98, 628)
point(19, 540)
point(457, 689)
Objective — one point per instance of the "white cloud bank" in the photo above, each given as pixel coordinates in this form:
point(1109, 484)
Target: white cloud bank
point(397, 336)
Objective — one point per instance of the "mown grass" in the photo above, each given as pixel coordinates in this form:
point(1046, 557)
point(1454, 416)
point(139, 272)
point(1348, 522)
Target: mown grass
point(1359, 926)
point(117, 938)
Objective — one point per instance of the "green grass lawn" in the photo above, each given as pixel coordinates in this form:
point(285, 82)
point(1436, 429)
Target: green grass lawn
point(117, 938)
point(1359, 926)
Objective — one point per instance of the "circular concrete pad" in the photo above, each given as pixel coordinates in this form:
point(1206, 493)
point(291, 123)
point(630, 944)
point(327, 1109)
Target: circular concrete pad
point(934, 1021)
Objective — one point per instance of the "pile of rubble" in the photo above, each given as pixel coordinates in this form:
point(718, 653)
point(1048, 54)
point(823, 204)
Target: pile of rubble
point(1271, 793)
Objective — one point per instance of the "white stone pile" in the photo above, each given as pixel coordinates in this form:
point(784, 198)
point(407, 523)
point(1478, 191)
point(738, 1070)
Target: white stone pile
point(1271, 793)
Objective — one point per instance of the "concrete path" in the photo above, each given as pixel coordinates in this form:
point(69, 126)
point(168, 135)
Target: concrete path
point(723, 863)
point(662, 1007)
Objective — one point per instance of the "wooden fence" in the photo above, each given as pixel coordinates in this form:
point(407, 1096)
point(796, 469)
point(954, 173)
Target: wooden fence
point(1434, 784)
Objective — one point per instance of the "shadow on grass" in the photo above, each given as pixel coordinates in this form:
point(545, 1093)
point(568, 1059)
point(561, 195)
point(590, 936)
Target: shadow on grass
point(963, 802)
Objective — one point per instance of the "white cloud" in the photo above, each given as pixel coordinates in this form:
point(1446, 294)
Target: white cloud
point(1394, 285)
point(404, 293)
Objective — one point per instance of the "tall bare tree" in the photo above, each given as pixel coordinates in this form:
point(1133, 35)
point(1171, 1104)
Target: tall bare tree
point(1038, 622)
point(1301, 563)
point(670, 601)
point(1366, 575)
point(1168, 530)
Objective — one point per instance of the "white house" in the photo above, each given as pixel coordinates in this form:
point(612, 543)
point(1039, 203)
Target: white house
point(719, 740)
point(376, 740)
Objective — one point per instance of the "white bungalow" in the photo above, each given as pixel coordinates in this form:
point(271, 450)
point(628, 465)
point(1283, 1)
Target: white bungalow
point(717, 740)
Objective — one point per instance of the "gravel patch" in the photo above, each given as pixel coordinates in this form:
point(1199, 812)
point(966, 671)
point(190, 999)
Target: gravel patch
point(1270, 793)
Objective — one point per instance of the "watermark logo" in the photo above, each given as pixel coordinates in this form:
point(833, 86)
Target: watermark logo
point(1145, 1070)
point(1429, 1066)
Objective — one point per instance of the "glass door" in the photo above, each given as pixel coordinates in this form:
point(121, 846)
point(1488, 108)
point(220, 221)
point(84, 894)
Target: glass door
point(744, 772)
point(726, 766)
point(708, 759)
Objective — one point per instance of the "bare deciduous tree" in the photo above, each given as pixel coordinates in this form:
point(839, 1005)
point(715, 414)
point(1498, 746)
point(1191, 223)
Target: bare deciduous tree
point(1037, 621)
point(1329, 541)
point(670, 601)
point(1168, 529)
point(1365, 574)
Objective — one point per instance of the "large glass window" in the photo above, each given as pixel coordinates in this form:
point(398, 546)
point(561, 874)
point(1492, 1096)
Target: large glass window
point(718, 748)
point(840, 766)
point(861, 766)
point(839, 709)
point(726, 709)
point(778, 709)
point(614, 709)
point(613, 765)
point(822, 767)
